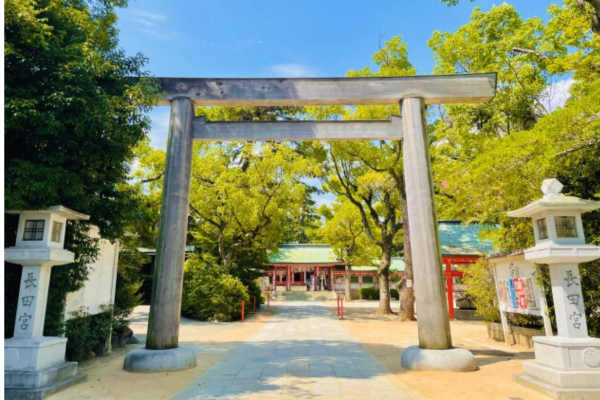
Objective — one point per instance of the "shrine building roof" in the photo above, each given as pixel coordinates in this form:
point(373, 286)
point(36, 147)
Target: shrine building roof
point(304, 253)
point(459, 239)
point(455, 239)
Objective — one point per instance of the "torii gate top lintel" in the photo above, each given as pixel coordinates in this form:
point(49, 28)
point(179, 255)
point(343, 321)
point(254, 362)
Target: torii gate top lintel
point(434, 89)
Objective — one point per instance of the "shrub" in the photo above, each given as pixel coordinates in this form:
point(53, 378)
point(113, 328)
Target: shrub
point(248, 269)
point(368, 293)
point(85, 332)
point(481, 289)
point(394, 294)
point(210, 294)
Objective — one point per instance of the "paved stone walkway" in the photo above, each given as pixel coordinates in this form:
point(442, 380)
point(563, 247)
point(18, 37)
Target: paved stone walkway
point(303, 351)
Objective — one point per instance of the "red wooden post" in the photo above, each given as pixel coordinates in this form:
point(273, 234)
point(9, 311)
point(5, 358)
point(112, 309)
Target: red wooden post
point(274, 279)
point(331, 282)
point(342, 308)
point(449, 286)
point(338, 306)
point(254, 306)
point(316, 278)
point(242, 311)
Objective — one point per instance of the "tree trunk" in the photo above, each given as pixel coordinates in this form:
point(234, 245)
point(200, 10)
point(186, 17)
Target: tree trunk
point(405, 287)
point(384, 283)
point(348, 284)
point(594, 13)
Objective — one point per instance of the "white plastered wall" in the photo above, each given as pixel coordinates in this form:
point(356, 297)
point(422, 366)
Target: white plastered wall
point(100, 288)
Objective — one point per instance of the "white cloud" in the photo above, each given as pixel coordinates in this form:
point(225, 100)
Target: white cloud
point(293, 71)
point(556, 94)
point(147, 18)
point(155, 34)
point(325, 198)
point(150, 24)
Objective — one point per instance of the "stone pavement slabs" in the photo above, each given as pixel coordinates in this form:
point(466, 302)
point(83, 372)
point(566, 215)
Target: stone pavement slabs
point(302, 352)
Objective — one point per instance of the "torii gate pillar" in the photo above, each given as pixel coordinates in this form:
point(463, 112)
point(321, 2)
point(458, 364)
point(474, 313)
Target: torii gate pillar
point(435, 342)
point(162, 352)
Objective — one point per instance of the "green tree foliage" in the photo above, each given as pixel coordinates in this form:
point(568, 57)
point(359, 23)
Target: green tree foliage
point(245, 197)
point(370, 175)
point(492, 158)
point(589, 9)
point(481, 290)
point(72, 118)
point(343, 231)
point(210, 294)
point(241, 193)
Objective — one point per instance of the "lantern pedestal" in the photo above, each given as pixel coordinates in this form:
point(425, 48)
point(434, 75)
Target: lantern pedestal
point(35, 368)
point(564, 368)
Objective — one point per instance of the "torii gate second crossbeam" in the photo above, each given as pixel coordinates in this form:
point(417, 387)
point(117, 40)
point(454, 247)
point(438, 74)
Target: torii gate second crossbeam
point(412, 93)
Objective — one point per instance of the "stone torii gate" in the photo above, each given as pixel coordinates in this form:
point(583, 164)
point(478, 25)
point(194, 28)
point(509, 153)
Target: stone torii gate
point(435, 349)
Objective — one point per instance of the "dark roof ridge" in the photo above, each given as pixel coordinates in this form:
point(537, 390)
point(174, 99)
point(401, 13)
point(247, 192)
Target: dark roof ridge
point(505, 254)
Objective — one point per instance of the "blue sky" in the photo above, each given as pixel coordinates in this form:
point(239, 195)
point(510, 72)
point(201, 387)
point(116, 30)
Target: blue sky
point(283, 38)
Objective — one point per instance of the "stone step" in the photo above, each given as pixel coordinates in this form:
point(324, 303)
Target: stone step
point(36, 379)
point(304, 296)
point(554, 391)
point(43, 392)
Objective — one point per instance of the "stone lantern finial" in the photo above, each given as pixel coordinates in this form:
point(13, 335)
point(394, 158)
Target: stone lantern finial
point(551, 187)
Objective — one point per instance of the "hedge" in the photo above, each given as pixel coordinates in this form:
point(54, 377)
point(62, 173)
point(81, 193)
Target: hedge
point(368, 293)
point(372, 293)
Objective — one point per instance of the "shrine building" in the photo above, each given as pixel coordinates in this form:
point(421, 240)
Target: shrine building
point(296, 264)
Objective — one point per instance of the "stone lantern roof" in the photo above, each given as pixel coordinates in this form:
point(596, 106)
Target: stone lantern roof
point(58, 210)
point(554, 200)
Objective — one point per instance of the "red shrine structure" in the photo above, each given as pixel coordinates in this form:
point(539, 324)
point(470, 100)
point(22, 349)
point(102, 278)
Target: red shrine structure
point(296, 264)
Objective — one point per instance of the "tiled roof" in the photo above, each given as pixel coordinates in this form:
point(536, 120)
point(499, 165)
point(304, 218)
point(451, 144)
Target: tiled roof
point(455, 239)
point(397, 265)
point(459, 239)
point(303, 253)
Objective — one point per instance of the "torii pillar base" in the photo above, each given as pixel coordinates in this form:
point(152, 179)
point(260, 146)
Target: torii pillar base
point(455, 359)
point(145, 360)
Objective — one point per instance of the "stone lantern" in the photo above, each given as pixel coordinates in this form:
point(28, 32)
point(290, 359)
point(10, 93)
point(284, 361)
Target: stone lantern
point(567, 364)
point(34, 363)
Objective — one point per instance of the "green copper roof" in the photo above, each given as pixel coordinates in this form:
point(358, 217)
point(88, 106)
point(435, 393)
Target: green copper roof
point(455, 239)
point(397, 265)
point(303, 253)
point(459, 239)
